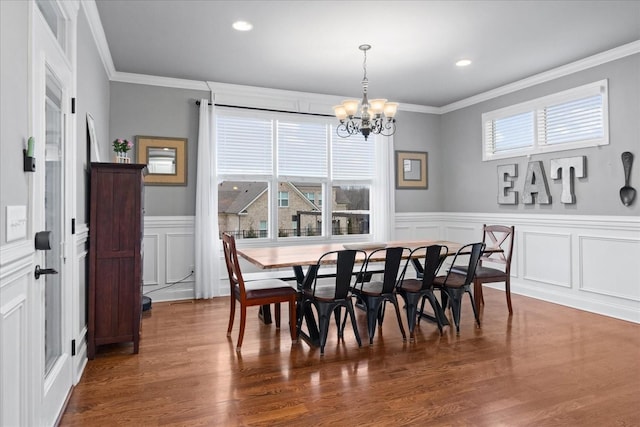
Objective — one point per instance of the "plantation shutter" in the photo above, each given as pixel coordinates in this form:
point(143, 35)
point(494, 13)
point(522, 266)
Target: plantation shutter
point(244, 145)
point(353, 157)
point(510, 133)
point(302, 149)
point(577, 120)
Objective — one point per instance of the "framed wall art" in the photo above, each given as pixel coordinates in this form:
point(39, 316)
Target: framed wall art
point(411, 170)
point(93, 149)
point(166, 159)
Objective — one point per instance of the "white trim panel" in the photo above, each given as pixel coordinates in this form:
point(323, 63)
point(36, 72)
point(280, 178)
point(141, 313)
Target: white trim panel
point(620, 276)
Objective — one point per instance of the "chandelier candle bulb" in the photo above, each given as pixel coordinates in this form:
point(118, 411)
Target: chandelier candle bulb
point(390, 109)
point(350, 106)
point(376, 106)
point(340, 112)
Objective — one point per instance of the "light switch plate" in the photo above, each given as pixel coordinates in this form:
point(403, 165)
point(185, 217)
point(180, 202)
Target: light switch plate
point(16, 223)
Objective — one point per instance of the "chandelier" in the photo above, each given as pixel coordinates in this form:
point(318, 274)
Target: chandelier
point(370, 119)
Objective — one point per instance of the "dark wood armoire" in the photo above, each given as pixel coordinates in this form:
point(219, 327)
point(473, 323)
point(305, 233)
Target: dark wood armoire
point(115, 255)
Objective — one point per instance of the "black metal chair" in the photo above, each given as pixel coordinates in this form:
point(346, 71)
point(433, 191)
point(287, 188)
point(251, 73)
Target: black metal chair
point(329, 299)
point(374, 294)
point(414, 290)
point(453, 285)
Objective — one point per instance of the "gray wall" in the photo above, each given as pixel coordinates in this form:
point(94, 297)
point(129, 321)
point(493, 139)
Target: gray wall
point(470, 185)
point(421, 132)
point(458, 180)
point(92, 97)
point(159, 111)
point(14, 125)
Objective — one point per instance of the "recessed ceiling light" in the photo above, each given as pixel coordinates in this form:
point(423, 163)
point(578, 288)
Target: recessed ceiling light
point(463, 62)
point(242, 26)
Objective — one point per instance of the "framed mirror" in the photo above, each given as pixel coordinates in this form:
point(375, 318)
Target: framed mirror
point(165, 157)
point(411, 169)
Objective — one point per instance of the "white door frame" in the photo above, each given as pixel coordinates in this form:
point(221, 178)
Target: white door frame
point(48, 57)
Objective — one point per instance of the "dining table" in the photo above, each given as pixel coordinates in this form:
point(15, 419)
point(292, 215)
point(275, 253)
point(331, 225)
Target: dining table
point(297, 257)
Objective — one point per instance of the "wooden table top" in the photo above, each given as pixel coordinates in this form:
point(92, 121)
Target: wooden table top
point(304, 255)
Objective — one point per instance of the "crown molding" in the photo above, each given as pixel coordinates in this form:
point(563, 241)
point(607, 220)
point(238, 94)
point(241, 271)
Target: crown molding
point(308, 102)
point(95, 25)
point(564, 70)
point(145, 79)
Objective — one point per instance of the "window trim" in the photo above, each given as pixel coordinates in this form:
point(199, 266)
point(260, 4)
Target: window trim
point(537, 106)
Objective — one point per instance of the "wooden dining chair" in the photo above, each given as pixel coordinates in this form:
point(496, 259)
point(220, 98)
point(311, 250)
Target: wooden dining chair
point(329, 298)
point(256, 292)
point(421, 288)
point(496, 236)
point(453, 285)
point(374, 293)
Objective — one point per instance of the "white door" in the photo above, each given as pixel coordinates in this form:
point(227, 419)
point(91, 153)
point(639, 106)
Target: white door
point(53, 132)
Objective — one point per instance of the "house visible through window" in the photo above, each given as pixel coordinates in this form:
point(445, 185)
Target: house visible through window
point(575, 118)
point(262, 195)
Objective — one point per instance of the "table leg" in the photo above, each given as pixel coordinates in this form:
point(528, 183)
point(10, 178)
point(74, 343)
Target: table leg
point(305, 281)
point(264, 314)
point(437, 315)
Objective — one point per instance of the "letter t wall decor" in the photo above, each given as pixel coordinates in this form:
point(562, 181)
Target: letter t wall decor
point(561, 168)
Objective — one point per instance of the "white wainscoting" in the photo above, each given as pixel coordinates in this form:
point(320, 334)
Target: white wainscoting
point(586, 262)
point(81, 281)
point(17, 296)
point(169, 253)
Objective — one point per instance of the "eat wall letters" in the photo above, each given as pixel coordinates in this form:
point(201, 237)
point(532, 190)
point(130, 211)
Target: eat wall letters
point(535, 188)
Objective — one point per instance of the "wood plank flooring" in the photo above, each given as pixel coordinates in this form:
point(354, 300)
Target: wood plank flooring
point(546, 365)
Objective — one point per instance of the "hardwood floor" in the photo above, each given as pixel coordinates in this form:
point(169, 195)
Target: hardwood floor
point(546, 365)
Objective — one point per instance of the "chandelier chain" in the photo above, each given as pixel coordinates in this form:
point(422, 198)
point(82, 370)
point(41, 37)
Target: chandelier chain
point(364, 67)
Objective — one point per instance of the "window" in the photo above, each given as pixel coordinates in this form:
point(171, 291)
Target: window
point(310, 197)
point(283, 199)
point(282, 167)
point(575, 118)
point(55, 19)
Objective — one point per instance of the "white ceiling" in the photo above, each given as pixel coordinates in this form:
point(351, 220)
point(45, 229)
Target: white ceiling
point(312, 46)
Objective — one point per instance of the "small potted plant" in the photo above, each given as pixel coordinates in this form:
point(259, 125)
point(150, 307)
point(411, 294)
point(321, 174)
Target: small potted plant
point(121, 147)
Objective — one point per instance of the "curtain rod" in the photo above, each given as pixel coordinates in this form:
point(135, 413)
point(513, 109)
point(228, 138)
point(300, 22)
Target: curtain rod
point(269, 109)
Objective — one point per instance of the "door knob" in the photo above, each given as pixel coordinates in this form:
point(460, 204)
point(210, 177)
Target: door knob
point(40, 271)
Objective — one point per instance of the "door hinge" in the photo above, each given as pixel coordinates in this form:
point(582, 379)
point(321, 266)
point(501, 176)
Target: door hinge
point(73, 105)
point(73, 347)
point(73, 226)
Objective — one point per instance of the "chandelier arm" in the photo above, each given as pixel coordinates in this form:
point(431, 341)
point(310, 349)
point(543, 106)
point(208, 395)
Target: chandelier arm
point(389, 128)
point(341, 131)
point(376, 126)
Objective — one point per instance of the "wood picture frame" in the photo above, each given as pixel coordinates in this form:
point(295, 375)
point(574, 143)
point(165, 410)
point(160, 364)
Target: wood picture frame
point(411, 170)
point(165, 157)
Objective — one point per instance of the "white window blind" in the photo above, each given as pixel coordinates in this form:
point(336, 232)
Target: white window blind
point(244, 145)
point(352, 158)
point(511, 133)
point(578, 120)
point(575, 118)
point(302, 149)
